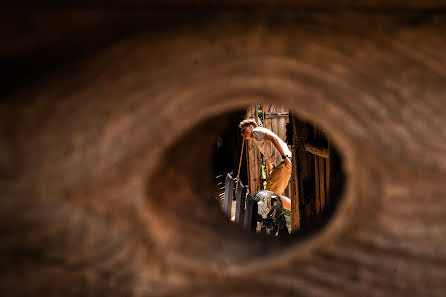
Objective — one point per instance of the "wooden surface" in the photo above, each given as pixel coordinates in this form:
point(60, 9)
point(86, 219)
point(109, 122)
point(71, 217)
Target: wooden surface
point(252, 156)
point(295, 194)
point(103, 182)
point(275, 119)
point(317, 150)
point(305, 4)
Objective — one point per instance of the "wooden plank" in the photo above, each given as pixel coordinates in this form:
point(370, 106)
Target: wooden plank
point(277, 125)
point(294, 196)
point(240, 203)
point(281, 129)
point(322, 182)
point(283, 121)
point(317, 150)
point(317, 204)
point(305, 173)
point(327, 177)
point(301, 5)
point(253, 156)
point(229, 193)
point(254, 166)
point(276, 116)
point(266, 121)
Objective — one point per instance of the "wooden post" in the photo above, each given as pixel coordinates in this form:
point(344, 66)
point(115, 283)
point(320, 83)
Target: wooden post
point(322, 183)
point(305, 196)
point(294, 196)
point(253, 156)
point(296, 176)
point(327, 176)
point(317, 204)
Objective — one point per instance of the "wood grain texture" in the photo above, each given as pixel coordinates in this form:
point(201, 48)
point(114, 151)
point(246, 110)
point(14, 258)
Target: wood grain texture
point(322, 182)
point(379, 5)
point(253, 156)
point(317, 150)
point(104, 191)
point(295, 193)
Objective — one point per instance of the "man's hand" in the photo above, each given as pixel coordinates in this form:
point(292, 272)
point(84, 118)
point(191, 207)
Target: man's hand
point(287, 162)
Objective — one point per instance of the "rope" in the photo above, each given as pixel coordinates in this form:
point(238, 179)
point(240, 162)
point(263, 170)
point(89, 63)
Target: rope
point(239, 164)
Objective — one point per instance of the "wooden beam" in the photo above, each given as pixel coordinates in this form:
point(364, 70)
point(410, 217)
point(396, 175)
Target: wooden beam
point(316, 150)
point(269, 115)
point(302, 5)
point(294, 196)
point(327, 177)
point(317, 202)
point(322, 183)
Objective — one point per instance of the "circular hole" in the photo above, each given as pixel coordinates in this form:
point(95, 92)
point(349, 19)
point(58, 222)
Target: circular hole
point(304, 194)
point(187, 189)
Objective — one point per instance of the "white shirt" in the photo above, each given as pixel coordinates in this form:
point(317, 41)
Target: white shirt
point(267, 148)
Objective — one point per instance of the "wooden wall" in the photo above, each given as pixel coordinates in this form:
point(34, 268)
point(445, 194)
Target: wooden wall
point(105, 117)
point(253, 158)
point(308, 188)
point(275, 118)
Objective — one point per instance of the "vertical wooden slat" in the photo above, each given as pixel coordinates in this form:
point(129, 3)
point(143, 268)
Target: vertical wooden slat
point(264, 125)
point(317, 204)
point(322, 182)
point(275, 119)
point(273, 122)
point(277, 125)
point(240, 203)
point(266, 120)
point(282, 123)
point(327, 177)
point(229, 193)
point(305, 175)
point(253, 156)
point(294, 196)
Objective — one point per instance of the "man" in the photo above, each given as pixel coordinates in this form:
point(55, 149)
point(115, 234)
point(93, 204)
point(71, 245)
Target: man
point(277, 157)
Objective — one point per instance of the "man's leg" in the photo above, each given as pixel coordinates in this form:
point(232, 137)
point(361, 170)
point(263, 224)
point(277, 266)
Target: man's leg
point(286, 202)
point(277, 183)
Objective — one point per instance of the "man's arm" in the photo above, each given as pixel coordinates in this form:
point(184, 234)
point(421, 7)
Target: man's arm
point(269, 166)
point(275, 142)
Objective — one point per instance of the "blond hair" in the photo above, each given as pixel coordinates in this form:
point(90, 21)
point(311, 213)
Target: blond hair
point(247, 122)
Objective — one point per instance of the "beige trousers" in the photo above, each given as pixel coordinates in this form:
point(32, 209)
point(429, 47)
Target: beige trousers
point(278, 179)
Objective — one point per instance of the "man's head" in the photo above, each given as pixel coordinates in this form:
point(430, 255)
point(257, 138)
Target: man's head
point(246, 127)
